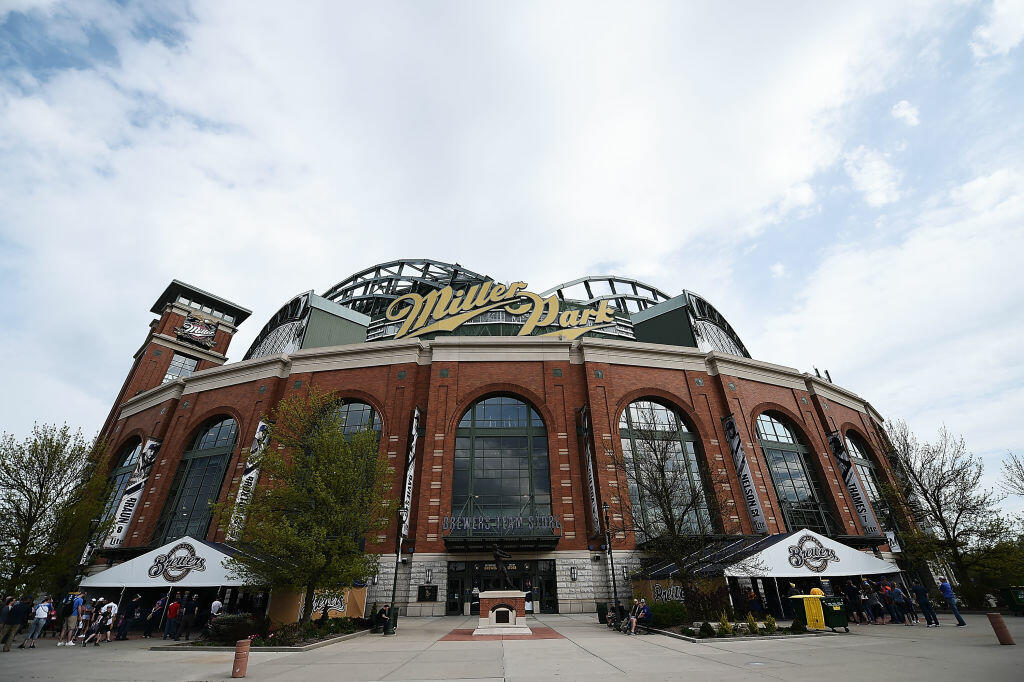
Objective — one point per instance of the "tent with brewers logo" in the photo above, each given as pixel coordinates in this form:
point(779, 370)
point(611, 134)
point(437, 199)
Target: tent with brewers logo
point(185, 562)
point(800, 554)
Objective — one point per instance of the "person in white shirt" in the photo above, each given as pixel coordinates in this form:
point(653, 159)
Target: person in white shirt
point(215, 607)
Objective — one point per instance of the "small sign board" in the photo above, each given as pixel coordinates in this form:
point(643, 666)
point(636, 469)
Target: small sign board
point(426, 593)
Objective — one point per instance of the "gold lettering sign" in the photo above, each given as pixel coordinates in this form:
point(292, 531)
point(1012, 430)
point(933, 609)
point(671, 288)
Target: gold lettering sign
point(445, 310)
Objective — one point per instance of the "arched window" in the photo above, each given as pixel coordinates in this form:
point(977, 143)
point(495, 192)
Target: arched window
point(501, 461)
point(858, 451)
point(661, 453)
point(796, 481)
point(197, 481)
point(356, 416)
point(124, 465)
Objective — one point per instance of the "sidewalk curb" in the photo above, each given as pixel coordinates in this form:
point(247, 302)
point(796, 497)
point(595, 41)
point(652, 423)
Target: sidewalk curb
point(257, 649)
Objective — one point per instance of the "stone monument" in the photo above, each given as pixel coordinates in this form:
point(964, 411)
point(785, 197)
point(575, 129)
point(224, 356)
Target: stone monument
point(502, 612)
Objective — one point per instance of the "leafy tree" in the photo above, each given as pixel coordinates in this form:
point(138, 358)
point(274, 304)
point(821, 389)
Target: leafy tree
point(672, 508)
point(322, 492)
point(944, 513)
point(49, 494)
point(1013, 474)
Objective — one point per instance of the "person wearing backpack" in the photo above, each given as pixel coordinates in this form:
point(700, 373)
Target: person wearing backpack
point(69, 619)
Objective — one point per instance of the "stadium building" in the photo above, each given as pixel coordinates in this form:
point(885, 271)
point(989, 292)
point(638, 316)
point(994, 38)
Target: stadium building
point(504, 407)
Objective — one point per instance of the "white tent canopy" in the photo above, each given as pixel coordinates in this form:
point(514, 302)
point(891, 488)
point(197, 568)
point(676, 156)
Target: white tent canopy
point(185, 562)
point(806, 554)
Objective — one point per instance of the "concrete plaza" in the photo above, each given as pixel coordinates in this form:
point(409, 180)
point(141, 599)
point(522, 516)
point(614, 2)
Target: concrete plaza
point(588, 651)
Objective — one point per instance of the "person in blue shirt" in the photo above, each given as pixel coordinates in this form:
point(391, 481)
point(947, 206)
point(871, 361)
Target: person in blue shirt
point(70, 616)
point(925, 603)
point(947, 592)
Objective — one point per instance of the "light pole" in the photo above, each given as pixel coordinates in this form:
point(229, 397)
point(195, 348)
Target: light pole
point(611, 561)
point(389, 627)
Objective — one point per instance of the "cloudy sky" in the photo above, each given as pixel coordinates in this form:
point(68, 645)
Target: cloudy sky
point(845, 181)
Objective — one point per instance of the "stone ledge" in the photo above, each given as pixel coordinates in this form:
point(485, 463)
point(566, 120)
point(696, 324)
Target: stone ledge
point(188, 646)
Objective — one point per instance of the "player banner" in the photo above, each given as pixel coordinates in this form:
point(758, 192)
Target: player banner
point(250, 475)
point(739, 460)
point(133, 493)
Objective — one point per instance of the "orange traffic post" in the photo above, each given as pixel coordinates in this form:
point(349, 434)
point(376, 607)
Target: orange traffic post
point(241, 658)
point(1002, 633)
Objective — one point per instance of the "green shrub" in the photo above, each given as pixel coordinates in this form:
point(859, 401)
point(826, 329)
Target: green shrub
point(770, 626)
point(706, 630)
point(667, 614)
point(229, 628)
point(797, 627)
point(724, 626)
point(752, 627)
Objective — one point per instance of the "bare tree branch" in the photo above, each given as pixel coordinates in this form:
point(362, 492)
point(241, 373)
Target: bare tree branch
point(1013, 474)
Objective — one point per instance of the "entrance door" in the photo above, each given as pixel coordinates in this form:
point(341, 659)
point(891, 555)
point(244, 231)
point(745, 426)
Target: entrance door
point(455, 596)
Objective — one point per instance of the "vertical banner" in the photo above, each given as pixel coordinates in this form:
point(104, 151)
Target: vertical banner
point(585, 434)
point(853, 485)
point(250, 475)
point(133, 493)
point(410, 470)
point(739, 460)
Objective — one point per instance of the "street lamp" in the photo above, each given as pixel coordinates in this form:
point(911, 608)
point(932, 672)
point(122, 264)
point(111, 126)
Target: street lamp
point(611, 561)
point(389, 627)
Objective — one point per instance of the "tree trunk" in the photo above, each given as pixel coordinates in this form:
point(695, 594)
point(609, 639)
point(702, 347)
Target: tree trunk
point(307, 610)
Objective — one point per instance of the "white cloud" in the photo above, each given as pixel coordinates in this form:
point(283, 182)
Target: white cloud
point(778, 270)
point(873, 176)
point(271, 150)
point(906, 112)
point(1002, 31)
point(928, 328)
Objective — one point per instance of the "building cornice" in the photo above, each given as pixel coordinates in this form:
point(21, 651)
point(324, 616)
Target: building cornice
point(817, 386)
point(501, 349)
point(278, 366)
point(755, 370)
point(615, 352)
point(194, 351)
point(172, 390)
point(372, 354)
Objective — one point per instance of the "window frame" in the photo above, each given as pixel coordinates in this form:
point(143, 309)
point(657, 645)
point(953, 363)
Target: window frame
point(690, 448)
point(819, 505)
point(198, 455)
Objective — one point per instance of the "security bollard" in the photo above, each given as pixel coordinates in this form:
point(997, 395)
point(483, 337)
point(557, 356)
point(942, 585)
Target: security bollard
point(1002, 633)
point(241, 658)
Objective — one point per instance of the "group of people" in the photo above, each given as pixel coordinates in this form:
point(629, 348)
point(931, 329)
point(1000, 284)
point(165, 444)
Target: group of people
point(86, 620)
point(638, 614)
point(874, 602)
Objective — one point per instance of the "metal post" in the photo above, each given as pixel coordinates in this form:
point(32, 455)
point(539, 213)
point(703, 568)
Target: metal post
point(611, 563)
point(389, 627)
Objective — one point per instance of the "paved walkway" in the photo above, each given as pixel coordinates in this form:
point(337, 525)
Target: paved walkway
point(588, 652)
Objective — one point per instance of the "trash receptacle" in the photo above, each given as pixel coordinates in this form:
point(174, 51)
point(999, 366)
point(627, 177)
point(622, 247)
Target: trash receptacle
point(1014, 598)
point(602, 612)
point(807, 610)
point(834, 613)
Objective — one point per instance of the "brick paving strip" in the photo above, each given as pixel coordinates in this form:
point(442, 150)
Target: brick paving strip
point(466, 635)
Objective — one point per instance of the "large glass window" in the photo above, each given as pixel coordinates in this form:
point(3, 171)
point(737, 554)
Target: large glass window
point(662, 453)
point(125, 463)
point(796, 481)
point(356, 417)
point(197, 481)
point(501, 461)
point(181, 366)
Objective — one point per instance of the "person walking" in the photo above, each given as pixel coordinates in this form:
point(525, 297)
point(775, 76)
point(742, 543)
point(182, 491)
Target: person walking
point(95, 623)
point(108, 617)
point(69, 619)
point(947, 593)
point(171, 624)
point(132, 613)
point(85, 615)
point(899, 602)
point(17, 617)
point(190, 614)
point(41, 612)
point(925, 604)
point(5, 610)
point(153, 619)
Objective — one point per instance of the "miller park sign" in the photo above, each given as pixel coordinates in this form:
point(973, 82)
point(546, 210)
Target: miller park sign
point(446, 309)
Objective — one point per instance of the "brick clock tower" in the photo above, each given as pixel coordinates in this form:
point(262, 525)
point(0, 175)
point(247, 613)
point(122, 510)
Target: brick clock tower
point(192, 333)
